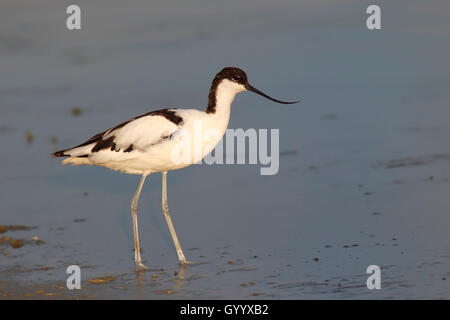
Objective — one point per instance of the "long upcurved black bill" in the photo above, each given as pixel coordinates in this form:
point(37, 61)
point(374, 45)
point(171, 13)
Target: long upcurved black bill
point(250, 88)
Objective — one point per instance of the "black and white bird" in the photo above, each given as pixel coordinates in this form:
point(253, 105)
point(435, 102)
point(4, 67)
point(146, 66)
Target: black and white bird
point(148, 143)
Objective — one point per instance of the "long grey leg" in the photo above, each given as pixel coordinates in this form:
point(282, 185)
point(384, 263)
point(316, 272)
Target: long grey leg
point(134, 211)
point(165, 210)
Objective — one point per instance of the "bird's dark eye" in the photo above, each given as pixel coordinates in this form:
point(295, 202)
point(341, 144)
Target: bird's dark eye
point(236, 78)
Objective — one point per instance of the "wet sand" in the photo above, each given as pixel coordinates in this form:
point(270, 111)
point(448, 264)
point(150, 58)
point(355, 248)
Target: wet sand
point(364, 159)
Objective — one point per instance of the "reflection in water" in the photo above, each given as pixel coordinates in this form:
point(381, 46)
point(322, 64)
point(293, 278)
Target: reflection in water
point(181, 273)
point(141, 284)
point(179, 279)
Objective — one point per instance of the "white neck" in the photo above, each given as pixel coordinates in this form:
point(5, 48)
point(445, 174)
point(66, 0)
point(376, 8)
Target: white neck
point(224, 98)
point(225, 93)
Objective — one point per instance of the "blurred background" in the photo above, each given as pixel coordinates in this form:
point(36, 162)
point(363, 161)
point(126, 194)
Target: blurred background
point(364, 158)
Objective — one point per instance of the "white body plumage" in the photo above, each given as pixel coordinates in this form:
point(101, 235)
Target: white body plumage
point(155, 139)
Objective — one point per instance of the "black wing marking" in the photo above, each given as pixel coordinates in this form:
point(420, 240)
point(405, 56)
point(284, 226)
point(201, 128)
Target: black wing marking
point(100, 144)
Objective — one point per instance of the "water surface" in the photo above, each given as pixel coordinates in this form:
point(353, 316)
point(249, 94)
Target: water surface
point(364, 163)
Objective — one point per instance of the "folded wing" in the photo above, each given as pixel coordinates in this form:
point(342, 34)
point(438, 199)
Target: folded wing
point(128, 138)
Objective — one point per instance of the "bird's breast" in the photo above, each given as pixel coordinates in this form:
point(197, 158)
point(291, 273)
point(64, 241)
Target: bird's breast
point(198, 136)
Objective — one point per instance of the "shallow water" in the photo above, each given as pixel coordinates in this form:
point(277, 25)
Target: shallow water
point(364, 159)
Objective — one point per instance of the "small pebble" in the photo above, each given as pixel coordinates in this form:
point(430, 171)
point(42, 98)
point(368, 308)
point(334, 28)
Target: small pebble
point(37, 240)
point(5, 239)
point(54, 140)
point(18, 243)
point(76, 111)
point(29, 137)
point(101, 280)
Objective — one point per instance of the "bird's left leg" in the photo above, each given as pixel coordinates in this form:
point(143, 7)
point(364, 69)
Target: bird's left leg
point(134, 214)
point(165, 210)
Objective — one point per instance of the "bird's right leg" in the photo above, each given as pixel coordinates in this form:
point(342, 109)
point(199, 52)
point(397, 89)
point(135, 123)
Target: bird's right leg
point(165, 209)
point(134, 211)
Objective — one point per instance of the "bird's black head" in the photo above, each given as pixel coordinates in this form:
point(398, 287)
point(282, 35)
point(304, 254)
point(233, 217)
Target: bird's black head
point(233, 74)
point(239, 83)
